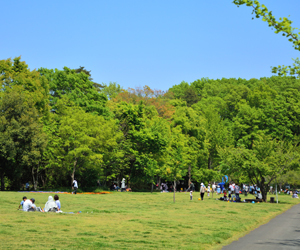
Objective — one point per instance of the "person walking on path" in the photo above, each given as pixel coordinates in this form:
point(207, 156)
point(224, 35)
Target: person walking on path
point(75, 186)
point(202, 191)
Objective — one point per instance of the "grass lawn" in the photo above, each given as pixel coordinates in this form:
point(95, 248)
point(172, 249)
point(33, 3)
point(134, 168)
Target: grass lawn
point(131, 221)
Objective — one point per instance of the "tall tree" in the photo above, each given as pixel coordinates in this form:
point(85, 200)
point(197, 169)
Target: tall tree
point(22, 140)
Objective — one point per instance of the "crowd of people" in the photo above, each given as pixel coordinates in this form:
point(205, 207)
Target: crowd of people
point(52, 205)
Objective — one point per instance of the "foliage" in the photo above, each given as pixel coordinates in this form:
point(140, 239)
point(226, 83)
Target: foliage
point(263, 163)
point(284, 26)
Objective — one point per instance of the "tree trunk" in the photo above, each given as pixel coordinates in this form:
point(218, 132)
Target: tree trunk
point(2, 182)
point(73, 172)
point(263, 189)
point(174, 188)
point(35, 180)
point(152, 185)
point(210, 162)
point(190, 168)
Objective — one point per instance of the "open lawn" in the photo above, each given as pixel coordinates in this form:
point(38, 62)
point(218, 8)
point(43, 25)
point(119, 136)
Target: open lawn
point(131, 221)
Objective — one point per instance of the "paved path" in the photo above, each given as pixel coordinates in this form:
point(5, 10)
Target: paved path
point(282, 232)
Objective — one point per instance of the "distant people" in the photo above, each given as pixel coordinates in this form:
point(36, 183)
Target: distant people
point(231, 188)
point(246, 190)
point(225, 194)
point(202, 191)
point(295, 195)
point(208, 190)
point(22, 202)
point(28, 205)
point(123, 187)
point(191, 195)
point(27, 186)
point(56, 198)
point(258, 195)
point(213, 188)
point(75, 186)
point(50, 205)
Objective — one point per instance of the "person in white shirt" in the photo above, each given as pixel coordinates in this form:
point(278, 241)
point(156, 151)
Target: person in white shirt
point(191, 195)
point(75, 186)
point(213, 188)
point(28, 205)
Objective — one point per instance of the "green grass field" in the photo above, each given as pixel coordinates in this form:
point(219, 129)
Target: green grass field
point(131, 221)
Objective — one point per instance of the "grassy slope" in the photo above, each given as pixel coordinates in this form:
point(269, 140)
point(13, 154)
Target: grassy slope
point(131, 221)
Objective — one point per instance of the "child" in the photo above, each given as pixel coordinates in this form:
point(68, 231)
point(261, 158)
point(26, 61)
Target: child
point(208, 190)
point(191, 195)
point(225, 195)
point(56, 198)
point(22, 202)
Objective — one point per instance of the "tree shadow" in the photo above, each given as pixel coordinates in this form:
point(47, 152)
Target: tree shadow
point(284, 243)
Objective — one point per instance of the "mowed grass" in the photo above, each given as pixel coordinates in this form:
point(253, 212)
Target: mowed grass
point(131, 221)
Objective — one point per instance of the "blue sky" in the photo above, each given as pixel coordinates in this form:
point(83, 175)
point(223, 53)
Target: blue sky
point(158, 43)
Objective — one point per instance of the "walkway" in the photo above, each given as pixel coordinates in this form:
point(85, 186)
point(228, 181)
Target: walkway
point(282, 232)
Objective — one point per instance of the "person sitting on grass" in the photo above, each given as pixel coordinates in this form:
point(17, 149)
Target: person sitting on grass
point(295, 195)
point(258, 196)
point(29, 206)
point(22, 202)
point(50, 205)
point(56, 198)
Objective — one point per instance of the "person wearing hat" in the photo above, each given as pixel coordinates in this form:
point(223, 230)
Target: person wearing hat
point(74, 186)
point(29, 205)
point(202, 191)
point(123, 188)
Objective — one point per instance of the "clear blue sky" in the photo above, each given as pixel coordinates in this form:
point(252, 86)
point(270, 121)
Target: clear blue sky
point(158, 43)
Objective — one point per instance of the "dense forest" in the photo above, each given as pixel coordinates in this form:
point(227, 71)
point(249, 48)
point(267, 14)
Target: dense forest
point(59, 124)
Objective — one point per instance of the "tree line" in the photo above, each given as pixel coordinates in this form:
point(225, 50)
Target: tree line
point(59, 124)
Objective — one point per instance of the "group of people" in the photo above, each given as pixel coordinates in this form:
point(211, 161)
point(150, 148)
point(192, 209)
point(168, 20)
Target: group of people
point(52, 205)
point(123, 188)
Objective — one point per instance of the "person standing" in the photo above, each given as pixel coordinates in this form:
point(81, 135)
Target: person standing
point(191, 195)
point(123, 188)
point(213, 188)
point(208, 190)
point(202, 191)
point(75, 186)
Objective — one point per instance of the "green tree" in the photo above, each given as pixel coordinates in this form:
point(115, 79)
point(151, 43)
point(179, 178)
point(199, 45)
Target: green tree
point(267, 160)
point(16, 72)
point(75, 86)
point(22, 140)
point(175, 167)
point(283, 26)
point(84, 138)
